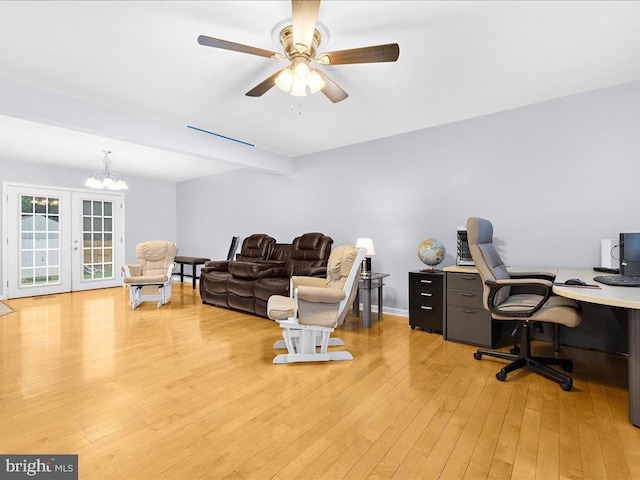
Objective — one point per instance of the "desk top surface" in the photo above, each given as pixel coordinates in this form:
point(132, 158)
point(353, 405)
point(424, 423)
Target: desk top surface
point(626, 297)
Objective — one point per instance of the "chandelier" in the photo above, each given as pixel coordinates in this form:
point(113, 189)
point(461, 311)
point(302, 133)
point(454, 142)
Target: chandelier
point(106, 179)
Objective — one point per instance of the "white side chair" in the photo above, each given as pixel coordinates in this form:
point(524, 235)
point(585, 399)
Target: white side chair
point(316, 307)
point(150, 279)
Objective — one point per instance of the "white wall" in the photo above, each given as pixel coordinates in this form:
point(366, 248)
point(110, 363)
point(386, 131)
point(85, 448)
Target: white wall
point(150, 204)
point(554, 178)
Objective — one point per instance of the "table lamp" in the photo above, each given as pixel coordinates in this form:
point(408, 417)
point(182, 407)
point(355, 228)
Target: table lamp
point(366, 243)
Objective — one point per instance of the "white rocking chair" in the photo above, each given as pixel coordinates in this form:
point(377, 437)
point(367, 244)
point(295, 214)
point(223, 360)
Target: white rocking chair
point(150, 280)
point(317, 306)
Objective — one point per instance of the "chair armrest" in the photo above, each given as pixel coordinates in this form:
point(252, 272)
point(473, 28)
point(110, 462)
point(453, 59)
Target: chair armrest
point(297, 281)
point(496, 285)
point(320, 294)
point(132, 270)
point(538, 275)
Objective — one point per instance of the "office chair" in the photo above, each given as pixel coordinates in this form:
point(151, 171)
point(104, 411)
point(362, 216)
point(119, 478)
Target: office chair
point(233, 248)
point(523, 307)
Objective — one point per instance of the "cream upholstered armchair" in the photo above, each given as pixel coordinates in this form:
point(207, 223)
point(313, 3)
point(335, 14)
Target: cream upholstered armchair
point(316, 307)
point(150, 279)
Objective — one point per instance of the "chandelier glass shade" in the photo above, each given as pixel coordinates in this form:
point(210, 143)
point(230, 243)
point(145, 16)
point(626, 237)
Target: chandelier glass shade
point(106, 179)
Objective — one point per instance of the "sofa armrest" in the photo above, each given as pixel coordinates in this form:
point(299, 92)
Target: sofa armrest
point(320, 272)
point(216, 266)
point(255, 270)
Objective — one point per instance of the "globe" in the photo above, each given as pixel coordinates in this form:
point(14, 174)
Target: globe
point(431, 252)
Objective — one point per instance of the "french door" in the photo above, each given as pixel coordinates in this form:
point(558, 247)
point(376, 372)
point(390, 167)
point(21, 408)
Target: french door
point(61, 240)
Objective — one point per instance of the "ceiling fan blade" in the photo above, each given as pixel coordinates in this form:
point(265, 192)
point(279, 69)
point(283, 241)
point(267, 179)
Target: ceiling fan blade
point(378, 53)
point(236, 47)
point(331, 89)
point(305, 14)
point(263, 87)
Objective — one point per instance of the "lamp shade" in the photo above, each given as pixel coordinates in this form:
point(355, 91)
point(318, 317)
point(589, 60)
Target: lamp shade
point(368, 244)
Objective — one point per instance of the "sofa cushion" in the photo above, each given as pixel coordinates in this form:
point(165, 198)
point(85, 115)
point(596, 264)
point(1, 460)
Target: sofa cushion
point(266, 287)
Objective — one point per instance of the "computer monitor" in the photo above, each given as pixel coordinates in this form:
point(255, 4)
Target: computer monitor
point(630, 254)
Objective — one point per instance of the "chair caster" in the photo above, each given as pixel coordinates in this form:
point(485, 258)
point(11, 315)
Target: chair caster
point(515, 350)
point(566, 386)
point(477, 355)
point(568, 367)
point(502, 376)
point(413, 327)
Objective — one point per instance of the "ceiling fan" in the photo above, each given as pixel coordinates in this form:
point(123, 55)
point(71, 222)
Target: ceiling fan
point(300, 40)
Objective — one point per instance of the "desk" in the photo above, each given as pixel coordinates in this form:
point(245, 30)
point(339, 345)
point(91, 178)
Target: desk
point(194, 262)
point(628, 300)
point(366, 282)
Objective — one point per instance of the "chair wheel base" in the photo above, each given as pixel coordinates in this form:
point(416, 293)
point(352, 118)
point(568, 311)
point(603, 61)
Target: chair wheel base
point(566, 386)
point(502, 376)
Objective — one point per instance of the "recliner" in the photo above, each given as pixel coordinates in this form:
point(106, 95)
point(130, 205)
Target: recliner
point(259, 272)
point(523, 307)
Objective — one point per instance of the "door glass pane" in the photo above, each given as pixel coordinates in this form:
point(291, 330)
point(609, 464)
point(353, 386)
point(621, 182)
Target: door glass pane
point(38, 248)
point(97, 255)
point(54, 223)
point(27, 204)
point(26, 276)
point(41, 204)
point(53, 206)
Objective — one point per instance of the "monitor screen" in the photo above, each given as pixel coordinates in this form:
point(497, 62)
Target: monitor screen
point(630, 254)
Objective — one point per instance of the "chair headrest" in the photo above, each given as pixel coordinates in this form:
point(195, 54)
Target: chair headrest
point(479, 231)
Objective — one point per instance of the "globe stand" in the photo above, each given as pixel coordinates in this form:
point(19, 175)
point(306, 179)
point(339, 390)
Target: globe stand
point(430, 270)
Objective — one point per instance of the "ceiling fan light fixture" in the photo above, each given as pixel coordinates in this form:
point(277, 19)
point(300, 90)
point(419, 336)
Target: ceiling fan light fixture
point(302, 71)
point(316, 83)
point(284, 81)
point(299, 89)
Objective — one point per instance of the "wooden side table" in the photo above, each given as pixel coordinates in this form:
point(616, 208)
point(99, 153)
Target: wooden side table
point(194, 262)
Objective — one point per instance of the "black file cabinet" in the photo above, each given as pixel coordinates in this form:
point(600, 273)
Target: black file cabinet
point(426, 300)
point(467, 320)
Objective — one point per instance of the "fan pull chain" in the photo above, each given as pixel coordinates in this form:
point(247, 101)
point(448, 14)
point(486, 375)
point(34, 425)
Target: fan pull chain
point(299, 106)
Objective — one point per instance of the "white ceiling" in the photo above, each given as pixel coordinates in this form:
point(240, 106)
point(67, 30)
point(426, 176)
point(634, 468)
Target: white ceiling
point(138, 63)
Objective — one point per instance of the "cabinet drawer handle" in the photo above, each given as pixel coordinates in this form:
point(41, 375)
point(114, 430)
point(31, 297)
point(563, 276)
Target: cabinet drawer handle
point(424, 294)
point(472, 312)
point(468, 278)
point(426, 281)
point(467, 294)
point(426, 308)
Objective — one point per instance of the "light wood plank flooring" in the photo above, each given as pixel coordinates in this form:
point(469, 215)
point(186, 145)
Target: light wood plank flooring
point(188, 391)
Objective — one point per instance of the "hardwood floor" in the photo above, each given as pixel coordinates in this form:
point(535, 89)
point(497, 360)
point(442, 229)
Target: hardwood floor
point(188, 391)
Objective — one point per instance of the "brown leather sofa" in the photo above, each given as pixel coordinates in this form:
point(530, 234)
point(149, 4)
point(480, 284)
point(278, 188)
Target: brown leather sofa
point(261, 269)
